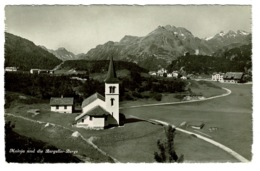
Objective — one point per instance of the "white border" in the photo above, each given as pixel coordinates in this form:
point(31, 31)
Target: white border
point(256, 131)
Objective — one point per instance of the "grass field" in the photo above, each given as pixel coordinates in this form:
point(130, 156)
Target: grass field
point(57, 136)
point(205, 88)
point(136, 140)
point(231, 115)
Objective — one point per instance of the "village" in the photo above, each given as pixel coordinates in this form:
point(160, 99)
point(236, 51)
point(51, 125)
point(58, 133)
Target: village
point(128, 84)
point(106, 115)
point(99, 112)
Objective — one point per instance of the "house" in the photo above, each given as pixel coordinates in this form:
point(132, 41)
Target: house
point(99, 112)
point(34, 71)
point(62, 104)
point(169, 75)
point(175, 74)
point(217, 77)
point(161, 71)
point(233, 77)
point(10, 69)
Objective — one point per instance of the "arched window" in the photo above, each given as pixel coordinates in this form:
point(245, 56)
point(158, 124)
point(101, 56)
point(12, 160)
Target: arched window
point(112, 89)
point(112, 101)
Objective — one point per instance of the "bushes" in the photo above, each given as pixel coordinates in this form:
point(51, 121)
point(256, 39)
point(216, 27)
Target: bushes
point(167, 153)
point(157, 96)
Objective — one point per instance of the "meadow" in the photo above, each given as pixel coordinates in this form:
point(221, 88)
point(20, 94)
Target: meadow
point(230, 116)
point(228, 120)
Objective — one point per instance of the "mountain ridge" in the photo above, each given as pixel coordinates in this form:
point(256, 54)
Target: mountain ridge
point(61, 53)
point(165, 44)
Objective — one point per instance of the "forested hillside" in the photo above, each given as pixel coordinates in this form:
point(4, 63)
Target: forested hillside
point(22, 53)
point(234, 59)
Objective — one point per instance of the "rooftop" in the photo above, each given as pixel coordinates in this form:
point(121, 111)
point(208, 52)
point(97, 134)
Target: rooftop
point(54, 101)
point(233, 75)
point(92, 98)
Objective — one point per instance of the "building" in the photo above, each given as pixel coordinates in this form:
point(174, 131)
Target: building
point(99, 112)
point(34, 71)
point(218, 77)
point(62, 104)
point(10, 69)
point(161, 71)
point(175, 74)
point(233, 77)
point(169, 75)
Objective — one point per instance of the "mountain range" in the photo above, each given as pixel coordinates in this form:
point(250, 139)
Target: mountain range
point(165, 44)
point(152, 51)
point(61, 53)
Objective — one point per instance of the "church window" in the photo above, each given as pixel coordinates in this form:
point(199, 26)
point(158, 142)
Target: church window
point(112, 101)
point(82, 120)
point(112, 89)
point(90, 118)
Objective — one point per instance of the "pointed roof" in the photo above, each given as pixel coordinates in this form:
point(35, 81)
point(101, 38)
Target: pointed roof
point(111, 73)
point(92, 98)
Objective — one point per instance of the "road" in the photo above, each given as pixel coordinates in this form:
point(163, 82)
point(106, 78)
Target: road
point(230, 111)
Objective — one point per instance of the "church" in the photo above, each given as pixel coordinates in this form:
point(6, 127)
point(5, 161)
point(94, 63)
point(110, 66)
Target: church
point(99, 112)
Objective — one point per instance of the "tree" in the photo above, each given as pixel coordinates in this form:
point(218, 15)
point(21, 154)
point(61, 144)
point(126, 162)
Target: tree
point(167, 152)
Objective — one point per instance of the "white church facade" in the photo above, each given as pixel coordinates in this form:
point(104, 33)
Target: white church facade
point(99, 112)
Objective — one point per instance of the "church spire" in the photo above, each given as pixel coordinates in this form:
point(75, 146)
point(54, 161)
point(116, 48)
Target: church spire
point(111, 74)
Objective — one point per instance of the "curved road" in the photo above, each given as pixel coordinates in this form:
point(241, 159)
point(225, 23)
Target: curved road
point(182, 102)
point(223, 147)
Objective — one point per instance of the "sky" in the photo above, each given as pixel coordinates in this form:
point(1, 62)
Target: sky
point(80, 28)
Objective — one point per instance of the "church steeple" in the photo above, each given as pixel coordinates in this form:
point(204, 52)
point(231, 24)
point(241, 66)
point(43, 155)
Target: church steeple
point(111, 74)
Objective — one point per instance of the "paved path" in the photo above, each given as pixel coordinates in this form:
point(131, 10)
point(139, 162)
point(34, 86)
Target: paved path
point(89, 141)
point(228, 92)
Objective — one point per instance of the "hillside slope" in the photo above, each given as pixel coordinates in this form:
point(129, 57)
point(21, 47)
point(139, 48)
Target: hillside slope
point(98, 66)
point(22, 53)
point(231, 59)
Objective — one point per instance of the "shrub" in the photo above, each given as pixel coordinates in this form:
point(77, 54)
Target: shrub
point(158, 96)
point(167, 153)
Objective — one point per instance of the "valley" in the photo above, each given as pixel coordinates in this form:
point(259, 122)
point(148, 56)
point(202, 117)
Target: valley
point(227, 115)
point(163, 77)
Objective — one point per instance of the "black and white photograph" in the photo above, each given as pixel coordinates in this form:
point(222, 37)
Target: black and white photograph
point(128, 83)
